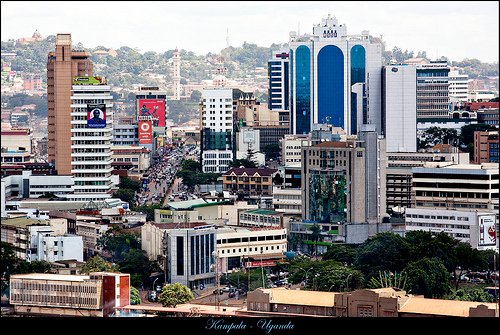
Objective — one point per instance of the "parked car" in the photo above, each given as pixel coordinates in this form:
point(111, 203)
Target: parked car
point(152, 296)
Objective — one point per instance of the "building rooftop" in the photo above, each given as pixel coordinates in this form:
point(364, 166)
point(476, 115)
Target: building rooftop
point(23, 222)
point(250, 171)
point(262, 212)
point(181, 225)
point(335, 144)
point(300, 297)
point(51, 276)
point(420, 305)
point(188, 204)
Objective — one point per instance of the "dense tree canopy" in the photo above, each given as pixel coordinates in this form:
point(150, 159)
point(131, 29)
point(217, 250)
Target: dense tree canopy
point(384, 251)
point(175, 294)
point(428, 277)
point(98, 264)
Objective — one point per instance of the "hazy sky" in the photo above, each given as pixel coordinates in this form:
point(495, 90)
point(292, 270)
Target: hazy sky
point(455, 29)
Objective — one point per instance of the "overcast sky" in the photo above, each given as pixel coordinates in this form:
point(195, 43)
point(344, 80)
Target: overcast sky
point(455, 29)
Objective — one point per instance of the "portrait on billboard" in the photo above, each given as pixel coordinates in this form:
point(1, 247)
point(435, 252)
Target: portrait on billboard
point(96, 116)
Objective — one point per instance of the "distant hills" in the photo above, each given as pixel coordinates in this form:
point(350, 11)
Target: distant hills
point(130, 66)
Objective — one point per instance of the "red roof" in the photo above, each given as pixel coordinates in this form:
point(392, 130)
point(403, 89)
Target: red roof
point(251, 171)
point(474, 106)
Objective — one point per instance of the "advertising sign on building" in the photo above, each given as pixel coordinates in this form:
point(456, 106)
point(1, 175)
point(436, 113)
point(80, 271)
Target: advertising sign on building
point(259, 263)
point(145, 132)
point(96, 115)
point(487, 231)
point(89, 80)
point(154, 108)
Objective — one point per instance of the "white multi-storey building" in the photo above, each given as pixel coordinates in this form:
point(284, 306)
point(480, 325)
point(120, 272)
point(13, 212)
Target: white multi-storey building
point(476, 228)
point(335, 78)
point(399, 109)
point(91, 148)
point(260, 244)
point(459, 85)
point(217, 136)
point(291, 148)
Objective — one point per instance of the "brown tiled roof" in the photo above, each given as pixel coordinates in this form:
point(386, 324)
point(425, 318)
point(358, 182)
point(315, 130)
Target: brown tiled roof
point(335, 144)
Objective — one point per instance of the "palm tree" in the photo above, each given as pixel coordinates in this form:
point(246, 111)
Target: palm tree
point(316, 236)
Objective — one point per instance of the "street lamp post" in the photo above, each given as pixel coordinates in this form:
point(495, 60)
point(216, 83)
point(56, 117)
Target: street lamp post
point(347, 285)
point(305, 272)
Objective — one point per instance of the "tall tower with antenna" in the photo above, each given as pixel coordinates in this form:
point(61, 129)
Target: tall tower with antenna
point(177, 74)
point(227, 37)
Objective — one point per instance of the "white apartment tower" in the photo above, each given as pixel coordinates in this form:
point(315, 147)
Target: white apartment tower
point(459, 85)
point(217, 135)
point(399, 108)
point(91, 143)
point(177, 74)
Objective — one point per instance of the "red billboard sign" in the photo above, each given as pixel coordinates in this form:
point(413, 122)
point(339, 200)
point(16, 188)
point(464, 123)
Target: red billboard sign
point(145, 132)
point(259, 263)
point(154, 108)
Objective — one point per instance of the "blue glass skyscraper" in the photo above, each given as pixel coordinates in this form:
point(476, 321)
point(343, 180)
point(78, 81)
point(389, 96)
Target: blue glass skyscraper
point(340, 81)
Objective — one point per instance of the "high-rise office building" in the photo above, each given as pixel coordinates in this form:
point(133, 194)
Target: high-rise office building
point(399, 105)
point(278, 72)
point(335, 78)
point(91, 135)
point(433, 101)
point(217, 130)
point(333, 182)
point(62, 65)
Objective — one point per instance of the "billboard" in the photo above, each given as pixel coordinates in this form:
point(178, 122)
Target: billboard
point(96, 115)
point(89, 81)
point(145, 132)
point(487, 231)
point(159, 142)
point(154, 108)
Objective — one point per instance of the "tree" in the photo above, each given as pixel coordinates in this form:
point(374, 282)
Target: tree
point(382, 252)
point(135, 261)
point(428, 277)
point(175, 294)
point(242, 279)
point(125, 194)
point(33, 267)
point(196, 95)
point(190, 165)
point(471, 294)
point(428, 244)
point(130, 184)
point(118, 241)
point(333, 276)
point(342, 253)
point(316, 236)
point(8, 261)
point(388, 279)
point(134, 296)
point(243, 162)
point(98, 264)
point(272, 151)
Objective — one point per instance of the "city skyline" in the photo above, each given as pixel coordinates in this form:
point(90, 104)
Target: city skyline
point(465, 28)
